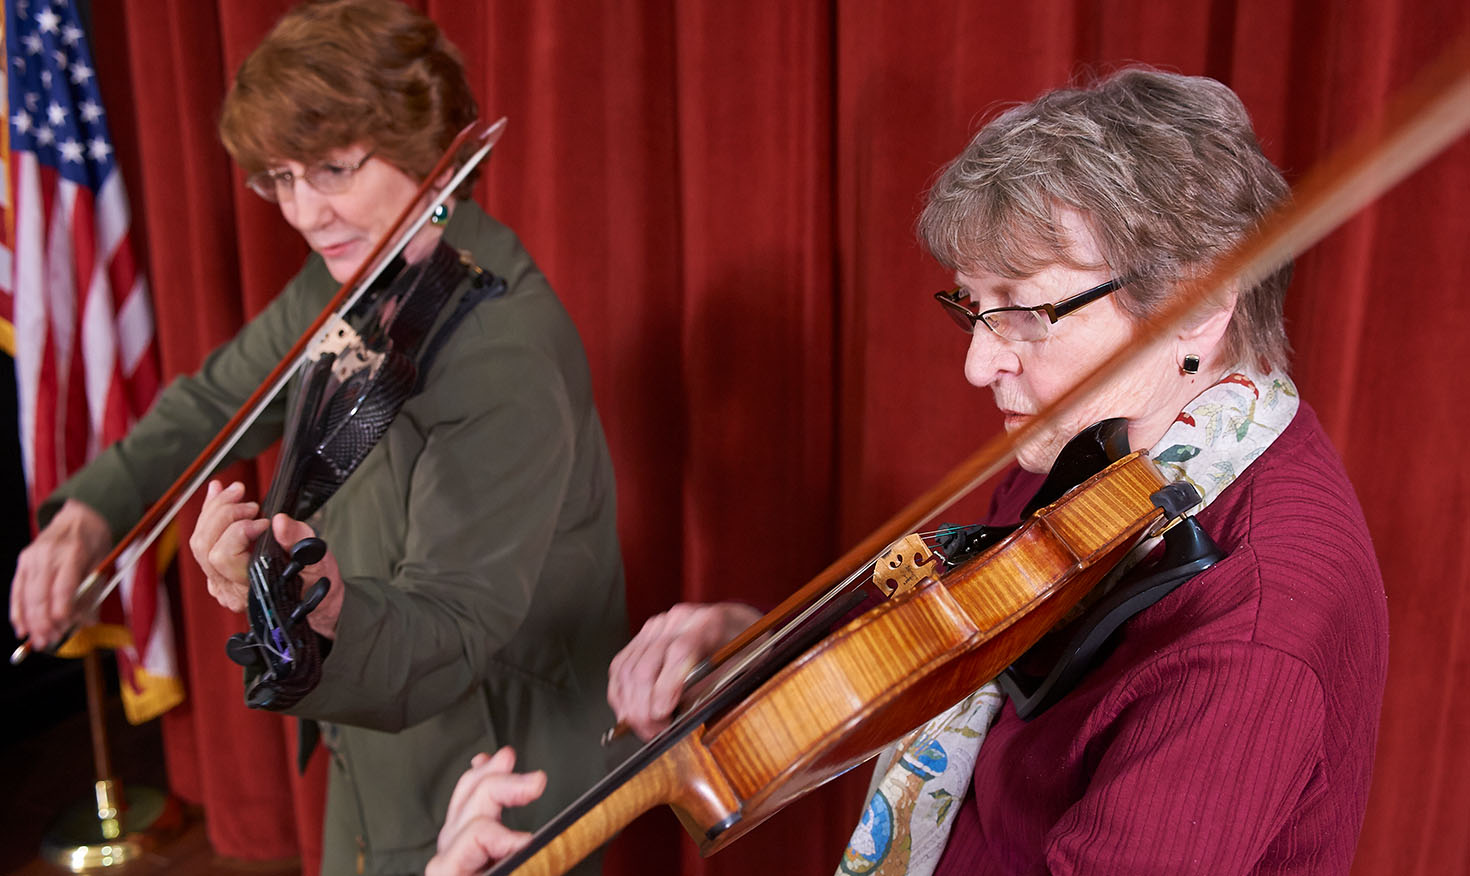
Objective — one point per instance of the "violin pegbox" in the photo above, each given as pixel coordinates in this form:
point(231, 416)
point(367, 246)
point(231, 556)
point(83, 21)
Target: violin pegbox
point(904, 564)
point(281, 655)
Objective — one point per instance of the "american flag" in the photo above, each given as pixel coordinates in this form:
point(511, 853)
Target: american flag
point(85, 355)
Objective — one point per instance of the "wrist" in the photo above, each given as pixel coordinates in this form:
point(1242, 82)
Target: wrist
point(78, 520)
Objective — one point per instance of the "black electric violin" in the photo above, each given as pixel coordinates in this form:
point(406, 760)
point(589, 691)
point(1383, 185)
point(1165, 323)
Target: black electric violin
point(360, 371)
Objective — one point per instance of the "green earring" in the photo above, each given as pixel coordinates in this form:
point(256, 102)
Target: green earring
point(440, 215)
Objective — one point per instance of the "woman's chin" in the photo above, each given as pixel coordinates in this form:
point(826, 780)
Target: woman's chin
point(1037, 454)
point(342, 268)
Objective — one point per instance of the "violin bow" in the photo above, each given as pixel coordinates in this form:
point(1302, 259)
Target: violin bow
point(480, 137)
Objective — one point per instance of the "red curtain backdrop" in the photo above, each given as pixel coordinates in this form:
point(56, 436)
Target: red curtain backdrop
point(724, 195)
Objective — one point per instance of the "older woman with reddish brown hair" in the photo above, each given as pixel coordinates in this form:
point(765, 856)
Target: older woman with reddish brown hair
point(1227, 727)
point(476, 592)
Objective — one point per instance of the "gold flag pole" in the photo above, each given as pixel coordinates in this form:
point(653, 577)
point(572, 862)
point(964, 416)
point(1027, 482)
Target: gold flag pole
point(115, 828)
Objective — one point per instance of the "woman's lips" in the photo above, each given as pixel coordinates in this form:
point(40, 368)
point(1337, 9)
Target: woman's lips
point(335, 250)
point(1013, 419)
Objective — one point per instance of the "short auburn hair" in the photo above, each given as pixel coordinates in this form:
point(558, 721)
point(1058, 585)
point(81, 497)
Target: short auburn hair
point(334, 73)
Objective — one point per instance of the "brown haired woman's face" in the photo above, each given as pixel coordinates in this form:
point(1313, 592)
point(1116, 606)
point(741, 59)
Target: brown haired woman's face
point(345, 226)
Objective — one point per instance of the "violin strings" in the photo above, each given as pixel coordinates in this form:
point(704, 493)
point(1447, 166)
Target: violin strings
point(267, 607)
point(931, 539)
point(756, 653)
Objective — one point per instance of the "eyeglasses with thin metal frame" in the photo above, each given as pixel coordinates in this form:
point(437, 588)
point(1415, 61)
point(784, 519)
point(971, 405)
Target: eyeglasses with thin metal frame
point(328, 177)
point(1020, 323)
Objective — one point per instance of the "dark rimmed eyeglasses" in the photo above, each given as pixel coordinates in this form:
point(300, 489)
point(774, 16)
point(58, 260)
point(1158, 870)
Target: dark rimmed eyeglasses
point(1019, 323)
point(328, 177)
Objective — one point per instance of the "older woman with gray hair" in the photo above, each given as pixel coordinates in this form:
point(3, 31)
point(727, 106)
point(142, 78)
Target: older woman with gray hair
point(1227, 728)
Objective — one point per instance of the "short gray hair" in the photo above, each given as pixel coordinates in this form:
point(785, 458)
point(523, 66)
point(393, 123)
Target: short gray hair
point(1165, 170)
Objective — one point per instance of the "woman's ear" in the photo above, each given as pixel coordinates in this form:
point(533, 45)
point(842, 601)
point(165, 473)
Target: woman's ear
point(1204, 335)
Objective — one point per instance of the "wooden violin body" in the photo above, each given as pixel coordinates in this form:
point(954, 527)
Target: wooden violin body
point(726, 767)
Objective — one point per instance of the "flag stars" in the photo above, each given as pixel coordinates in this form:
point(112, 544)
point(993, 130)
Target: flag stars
point(63, 123)
point(48, 21)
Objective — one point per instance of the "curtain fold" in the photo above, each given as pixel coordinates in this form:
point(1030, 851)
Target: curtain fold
point(724, 196)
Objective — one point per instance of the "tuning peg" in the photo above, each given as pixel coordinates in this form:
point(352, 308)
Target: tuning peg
point(242, 649)
point(303, 553)
point(309, 550)
point(310, 599)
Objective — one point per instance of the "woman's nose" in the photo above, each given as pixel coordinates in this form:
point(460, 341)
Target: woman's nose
point(989, 356)
point(308, 208)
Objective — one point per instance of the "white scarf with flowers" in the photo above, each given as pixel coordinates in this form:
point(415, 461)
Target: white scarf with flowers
point(920, 780)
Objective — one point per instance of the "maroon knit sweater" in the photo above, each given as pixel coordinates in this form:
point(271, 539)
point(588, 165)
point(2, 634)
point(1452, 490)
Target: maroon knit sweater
point(1232, 730)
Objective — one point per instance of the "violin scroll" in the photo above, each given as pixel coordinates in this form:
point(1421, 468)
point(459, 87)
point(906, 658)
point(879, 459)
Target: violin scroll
point(282, 658)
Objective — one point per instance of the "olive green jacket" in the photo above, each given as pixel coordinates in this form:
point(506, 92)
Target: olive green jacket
point(477, 542)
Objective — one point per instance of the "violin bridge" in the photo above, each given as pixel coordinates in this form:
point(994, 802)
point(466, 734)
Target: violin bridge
point(342, 341)
point(904, 564)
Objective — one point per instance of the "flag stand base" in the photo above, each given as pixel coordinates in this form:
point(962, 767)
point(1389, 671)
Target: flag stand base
point(116, 828)
point(111, 831)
